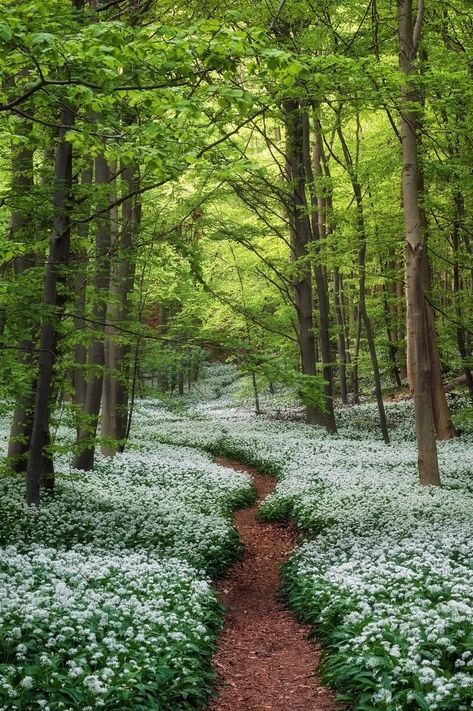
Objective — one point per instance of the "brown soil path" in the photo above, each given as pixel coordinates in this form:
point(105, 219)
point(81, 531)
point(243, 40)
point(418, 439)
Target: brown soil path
point(265, 660)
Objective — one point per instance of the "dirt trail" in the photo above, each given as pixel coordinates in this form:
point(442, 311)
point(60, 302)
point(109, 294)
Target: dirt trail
point(265, 660)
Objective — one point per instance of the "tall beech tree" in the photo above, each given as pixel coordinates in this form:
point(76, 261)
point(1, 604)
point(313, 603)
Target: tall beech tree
point(313, 156)
point(115, 394)
point(38, 469)
point(300, 240)
point(22, 185)
point(417, 322)
point(96, 357)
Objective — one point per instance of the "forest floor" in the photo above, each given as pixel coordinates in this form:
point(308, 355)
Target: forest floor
point(265, 659)
point(381, 567)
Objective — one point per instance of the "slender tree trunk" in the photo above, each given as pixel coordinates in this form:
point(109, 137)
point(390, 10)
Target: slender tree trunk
point(300, 236)
point(22, 423)
point(108, 411)
point(418, 347)
point(249, 339)
point(20, 432)
point(362, 309)
point(342, 348)
point(355, 381)
point(84, 458)
point(443, 422)
point(80, 351)
point(376, 375)
point(180, 381)
point(343, 343)
point(135, 359)
point(318, 212)
point(460, 331)
point(392, 346)
point(118, 353)
point(409, 362)
point(400, 319)
point(133, 386)
point(80, 290)
point(59, 250)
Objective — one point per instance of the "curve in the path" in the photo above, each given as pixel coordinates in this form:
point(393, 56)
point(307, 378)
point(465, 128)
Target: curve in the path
point(264, 659)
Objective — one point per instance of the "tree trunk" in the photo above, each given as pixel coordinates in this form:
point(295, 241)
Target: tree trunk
point(376, 374)
point(417, 336)
point(355, 381)
point(392, 346)
point(20, 432)
point(362, 310)
point(80, 351)
point(318, 213)
point(401, 320)
point(300, 236)
point(251, 346)
point(58, 256)
point(460, 331)
point(117, 352)
point(80, 291)
point(22, 422)
point(108, 410)
point(84, 458)
point(443, 423)
point(180, 381)
point(342, 347)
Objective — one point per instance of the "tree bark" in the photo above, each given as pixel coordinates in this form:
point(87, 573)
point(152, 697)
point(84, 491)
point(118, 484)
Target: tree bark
point(362, 309)
point(355, 381)
point(20, 432)
point(318, 213)
point(58, 257)
point(85, 444)
point(418, 347)
point(342, 346)
point(80, 291)
point(115, 394)
point(300, 237)
point(457, 288)
point(444, 428)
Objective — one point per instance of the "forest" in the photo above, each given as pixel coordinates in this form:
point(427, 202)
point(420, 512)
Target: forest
point(236, 355)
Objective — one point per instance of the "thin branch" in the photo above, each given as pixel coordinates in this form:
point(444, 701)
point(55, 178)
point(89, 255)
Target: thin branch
point(437, 308)
point(418, 27)
point(275, 18)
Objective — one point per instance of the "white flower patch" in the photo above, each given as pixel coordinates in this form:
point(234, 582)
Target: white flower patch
point(78, 625)
point(167, 499)
point(113, 598)
point(105, 600)
point(389, 577)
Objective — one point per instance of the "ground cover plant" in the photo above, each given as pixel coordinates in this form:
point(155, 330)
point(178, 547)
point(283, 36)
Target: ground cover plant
point(106, 598)
point(386, 571)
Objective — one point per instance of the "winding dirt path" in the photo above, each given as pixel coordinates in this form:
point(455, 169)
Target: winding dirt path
point(265, 659)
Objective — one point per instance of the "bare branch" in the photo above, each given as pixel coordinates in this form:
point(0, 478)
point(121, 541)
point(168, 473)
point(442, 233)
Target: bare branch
point(418, 27)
